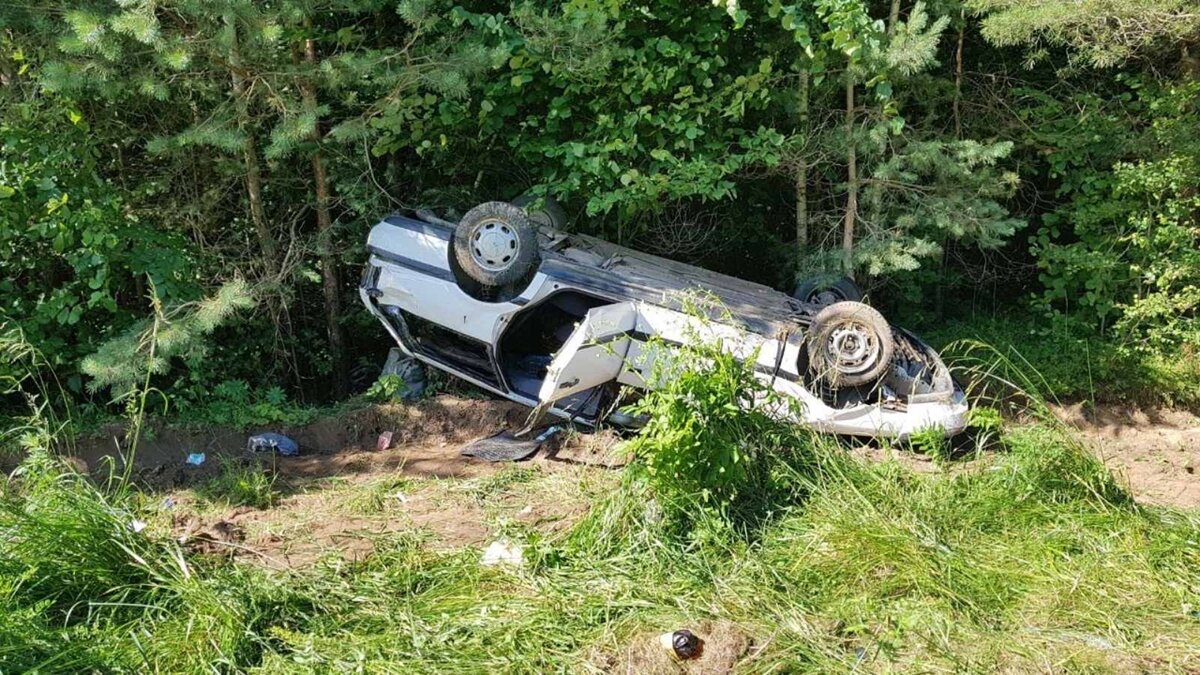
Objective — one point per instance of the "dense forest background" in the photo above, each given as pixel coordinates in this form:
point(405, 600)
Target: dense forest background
point(1024, 171)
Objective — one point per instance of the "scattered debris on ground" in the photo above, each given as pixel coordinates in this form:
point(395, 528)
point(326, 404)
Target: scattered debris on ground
point(386, 469)
point(425, 441)
point(365, 474)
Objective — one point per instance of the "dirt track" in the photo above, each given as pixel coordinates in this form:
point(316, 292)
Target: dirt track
point(1158, 451)
point(426, 441)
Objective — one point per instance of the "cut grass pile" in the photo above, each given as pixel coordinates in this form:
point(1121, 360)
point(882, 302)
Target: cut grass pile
point(1033, 560)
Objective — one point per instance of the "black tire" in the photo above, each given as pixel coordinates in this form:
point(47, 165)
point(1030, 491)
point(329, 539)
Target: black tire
point(496, 244)
point(551, 214)
point(849, 344)
point(825, 290)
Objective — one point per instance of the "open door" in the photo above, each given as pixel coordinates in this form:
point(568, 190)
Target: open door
point(594, 354)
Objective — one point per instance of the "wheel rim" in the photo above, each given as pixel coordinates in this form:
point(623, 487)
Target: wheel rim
point(853, 348)
point(494, 245)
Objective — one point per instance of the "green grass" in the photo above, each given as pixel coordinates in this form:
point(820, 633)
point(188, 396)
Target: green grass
point(1076, 365)
point(242, 483)
point(1031, 558)
point(1037, 557)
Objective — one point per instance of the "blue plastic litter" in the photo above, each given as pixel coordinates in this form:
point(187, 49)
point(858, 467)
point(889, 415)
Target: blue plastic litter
point(196, 458)
point(272, 441)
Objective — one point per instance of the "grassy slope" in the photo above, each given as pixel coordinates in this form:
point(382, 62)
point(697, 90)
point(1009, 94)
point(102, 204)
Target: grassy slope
point(1035, 560)
point(1071, 365)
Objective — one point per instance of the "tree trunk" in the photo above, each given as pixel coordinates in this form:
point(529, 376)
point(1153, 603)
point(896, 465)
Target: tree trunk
point(258, 214)
point(958, 77)
point(851, 217)
point(330, 282)
point(802, 172)
point(254, 180)
point(893, 18)
point(939, 298)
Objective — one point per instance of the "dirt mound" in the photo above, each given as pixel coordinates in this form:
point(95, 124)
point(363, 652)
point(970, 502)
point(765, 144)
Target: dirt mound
point(342, 494)
point(724, 646)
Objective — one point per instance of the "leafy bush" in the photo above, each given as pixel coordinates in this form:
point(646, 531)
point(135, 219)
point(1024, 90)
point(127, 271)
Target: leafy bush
point(71, 249)
point(233, 403)
point(1123, 251)
point(932, 441)
point(387, 389)
point(713, 442)
point(699, 442)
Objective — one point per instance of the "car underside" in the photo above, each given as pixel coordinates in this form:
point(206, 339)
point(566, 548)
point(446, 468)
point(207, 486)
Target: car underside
point(564, 323)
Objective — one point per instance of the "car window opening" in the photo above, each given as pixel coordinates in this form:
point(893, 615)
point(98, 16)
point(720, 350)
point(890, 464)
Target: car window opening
point(447, 347)
point(535, 336)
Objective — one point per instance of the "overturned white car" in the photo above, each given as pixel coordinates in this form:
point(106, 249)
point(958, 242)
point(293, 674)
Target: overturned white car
point(561, 321)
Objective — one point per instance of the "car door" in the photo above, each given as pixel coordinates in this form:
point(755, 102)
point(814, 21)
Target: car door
point(594, 354)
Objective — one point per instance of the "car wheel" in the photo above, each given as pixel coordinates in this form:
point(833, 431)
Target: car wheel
point(849, 344)
point(824, 290)
point(551, 214)
point(496, 244)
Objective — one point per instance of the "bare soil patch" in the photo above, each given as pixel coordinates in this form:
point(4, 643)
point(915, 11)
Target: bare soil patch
point(347, 517)
point(342, 494)
point(426, 440)
point(1157, 451)
point(725, 644)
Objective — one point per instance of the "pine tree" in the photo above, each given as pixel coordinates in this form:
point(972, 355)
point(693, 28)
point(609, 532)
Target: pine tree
point(248, 88)
point(907, 190)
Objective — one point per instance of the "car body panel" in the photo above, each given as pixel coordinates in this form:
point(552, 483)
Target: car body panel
point(594, 354)
point(631, 297)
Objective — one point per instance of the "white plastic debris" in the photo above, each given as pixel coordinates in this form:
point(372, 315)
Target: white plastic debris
point(137, 525)
point(196, 458)
point(525, 511)
point(503, 552)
